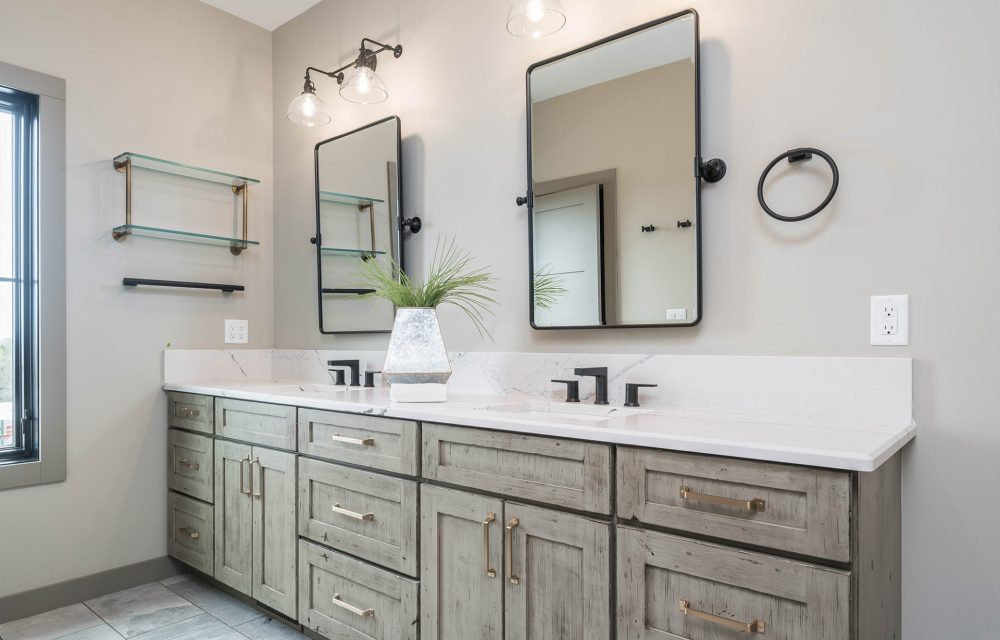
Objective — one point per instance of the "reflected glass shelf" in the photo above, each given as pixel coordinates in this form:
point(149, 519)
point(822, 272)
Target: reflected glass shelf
point(338, 251)
point(184, 170)
point(347, 198)
point(120, 232)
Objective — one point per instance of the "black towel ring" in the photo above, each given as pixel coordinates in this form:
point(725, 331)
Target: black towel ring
point(798, 155)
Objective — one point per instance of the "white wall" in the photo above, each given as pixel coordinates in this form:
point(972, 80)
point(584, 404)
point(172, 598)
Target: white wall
point(902, 93)
point(179, 80)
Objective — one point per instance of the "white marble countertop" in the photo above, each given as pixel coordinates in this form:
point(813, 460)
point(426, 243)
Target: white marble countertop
point(823, 442)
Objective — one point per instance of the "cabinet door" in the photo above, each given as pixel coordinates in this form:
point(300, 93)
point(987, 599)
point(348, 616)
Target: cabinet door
point(460, 556)
point(233, 516)
point(557, 577)
point(274, 523)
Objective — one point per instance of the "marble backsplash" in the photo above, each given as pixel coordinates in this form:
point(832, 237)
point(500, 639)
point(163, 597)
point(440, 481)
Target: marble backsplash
point(866, 389)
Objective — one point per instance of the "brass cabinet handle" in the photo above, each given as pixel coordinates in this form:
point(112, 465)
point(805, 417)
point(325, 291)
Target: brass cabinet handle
point(490, 518)
point(193, 466)
point(754, 626)
point(364, 613)
point(187, 412)
point(363, 442)
point(367, 517)
point(510, 551)
point(189, 532)
point(243, 479)
point(755, 504)
point(261, 484)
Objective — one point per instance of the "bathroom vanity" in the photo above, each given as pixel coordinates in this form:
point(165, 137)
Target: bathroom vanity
point(512, 517)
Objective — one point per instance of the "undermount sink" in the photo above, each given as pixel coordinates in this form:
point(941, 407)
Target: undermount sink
point(591, 412)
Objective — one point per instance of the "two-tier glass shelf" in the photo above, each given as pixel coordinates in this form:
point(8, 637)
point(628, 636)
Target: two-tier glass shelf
point(364, 204)
point(128, 161)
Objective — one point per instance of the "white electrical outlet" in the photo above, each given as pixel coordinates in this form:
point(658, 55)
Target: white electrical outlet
point(677, 314)
point(890, 320)
point(237, 331)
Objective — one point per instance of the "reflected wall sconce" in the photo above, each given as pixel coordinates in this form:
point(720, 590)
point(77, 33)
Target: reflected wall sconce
point(362, 86)
point(535, 18)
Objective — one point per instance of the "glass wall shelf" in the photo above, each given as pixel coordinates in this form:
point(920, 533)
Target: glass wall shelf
point(347, 198)
point(184, 170)
point(121, 231)
point(338, 251)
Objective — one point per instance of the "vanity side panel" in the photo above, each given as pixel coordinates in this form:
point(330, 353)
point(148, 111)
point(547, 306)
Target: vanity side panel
point(878, 553)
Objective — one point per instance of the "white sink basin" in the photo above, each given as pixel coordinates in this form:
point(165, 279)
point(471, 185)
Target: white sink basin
point(553, 410)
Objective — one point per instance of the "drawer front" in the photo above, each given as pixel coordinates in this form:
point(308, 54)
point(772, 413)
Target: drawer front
point(191, 531)
point(345, 599)
point(191, 464)
point(567, 473)
point(365, 514)
point(271, 425)
point(190, 411)
point(672, 587)
point(367, 441)
point(794, 509)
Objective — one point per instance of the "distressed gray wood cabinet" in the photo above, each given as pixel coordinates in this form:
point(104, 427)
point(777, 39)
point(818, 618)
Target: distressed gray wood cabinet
point(367, 528)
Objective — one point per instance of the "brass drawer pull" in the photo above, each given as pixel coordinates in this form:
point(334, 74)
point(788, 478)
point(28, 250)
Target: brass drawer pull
point(756, 504)
point(367, 517)
point(249, 491)
point(193, 466)
point(364, 613)
point(755, 626)
point(187, 412)
point(189, 532)
point(510, 551)
point(490, 518)
point(363, 442)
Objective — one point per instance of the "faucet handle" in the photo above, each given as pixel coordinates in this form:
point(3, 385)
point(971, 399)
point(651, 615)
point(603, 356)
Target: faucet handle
point(632, 393)
point(370, 378)
point(338, 377)
point(572, 389)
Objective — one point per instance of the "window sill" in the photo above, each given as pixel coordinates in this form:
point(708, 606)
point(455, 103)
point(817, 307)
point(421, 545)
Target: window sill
point(28, 473)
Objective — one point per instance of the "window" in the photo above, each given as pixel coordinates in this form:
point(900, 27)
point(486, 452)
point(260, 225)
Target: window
point(18, 275)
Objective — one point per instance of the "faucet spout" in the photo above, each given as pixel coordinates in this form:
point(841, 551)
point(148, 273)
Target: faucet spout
point(600, 375)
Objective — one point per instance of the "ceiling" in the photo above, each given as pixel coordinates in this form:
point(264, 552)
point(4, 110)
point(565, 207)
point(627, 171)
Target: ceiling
point(269, 14)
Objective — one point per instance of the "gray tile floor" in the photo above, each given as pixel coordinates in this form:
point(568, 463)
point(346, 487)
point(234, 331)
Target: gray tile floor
point(178, 608)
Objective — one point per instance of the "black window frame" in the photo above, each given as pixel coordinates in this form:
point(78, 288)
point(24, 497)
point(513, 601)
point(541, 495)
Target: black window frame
point(24, 107)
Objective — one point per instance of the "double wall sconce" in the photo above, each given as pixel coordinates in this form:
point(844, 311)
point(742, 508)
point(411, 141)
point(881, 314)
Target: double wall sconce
point(362, 86)
point(535, 18)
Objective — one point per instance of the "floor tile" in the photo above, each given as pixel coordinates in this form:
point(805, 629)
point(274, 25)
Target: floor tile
point(52, 624)
point(103, 632)
point(269, 629)
point(166, 582)
point(141, 609)
point(203, 627)
point(218, 603)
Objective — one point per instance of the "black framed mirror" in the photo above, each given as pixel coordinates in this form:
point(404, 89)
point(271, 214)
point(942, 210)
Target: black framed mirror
point(358, 217)
point(614, 175)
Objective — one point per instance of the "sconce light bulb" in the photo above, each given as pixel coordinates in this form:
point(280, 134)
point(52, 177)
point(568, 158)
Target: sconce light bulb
point(535, 11)
point(364, 80)
point(535, 18)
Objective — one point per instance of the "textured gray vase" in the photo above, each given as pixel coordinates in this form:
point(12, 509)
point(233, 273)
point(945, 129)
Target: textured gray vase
point(416, 349)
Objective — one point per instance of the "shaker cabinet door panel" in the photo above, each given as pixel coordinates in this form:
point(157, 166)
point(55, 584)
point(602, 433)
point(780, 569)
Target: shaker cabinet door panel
point(233, 516)
point(274, 539)
point(461, 572)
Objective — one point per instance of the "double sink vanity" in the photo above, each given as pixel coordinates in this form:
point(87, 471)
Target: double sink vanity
point(522, 516)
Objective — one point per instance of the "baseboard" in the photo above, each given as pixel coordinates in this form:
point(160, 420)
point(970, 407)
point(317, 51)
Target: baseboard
point(28, 603)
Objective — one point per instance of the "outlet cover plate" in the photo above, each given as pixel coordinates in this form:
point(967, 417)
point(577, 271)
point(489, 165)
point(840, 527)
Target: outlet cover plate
point(237, 331)
point(890, 320)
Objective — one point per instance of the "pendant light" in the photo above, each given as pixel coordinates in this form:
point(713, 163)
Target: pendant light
point(363, 86)
point(535, 18)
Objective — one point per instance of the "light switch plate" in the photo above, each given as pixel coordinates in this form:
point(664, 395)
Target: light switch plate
point(890, 320)
point(237, 331)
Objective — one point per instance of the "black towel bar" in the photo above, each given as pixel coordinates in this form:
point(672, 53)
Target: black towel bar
point(225, 288)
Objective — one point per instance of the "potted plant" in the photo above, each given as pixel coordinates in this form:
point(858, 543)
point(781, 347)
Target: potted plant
point(416, 353)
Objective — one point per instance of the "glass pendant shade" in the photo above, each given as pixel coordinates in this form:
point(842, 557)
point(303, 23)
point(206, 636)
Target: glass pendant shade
point(535, 18)
point(364, 87)
point(308, 110)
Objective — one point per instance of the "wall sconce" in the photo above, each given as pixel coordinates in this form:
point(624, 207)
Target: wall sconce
point(535, 18)
point(363, 86)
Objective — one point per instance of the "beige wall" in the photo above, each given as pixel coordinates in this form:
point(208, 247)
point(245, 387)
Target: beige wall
point(902, 94)
point(183, 81)
point(642, 126)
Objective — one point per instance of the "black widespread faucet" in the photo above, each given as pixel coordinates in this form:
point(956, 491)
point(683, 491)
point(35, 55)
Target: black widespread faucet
point(600, 375)
point(353, 365)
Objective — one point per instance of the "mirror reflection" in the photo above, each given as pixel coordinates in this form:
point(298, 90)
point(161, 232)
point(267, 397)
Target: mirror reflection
point(615, 220)
point(357, 214)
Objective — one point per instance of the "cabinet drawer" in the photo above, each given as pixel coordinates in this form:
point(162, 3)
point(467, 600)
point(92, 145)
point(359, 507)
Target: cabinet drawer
point(190, 538)
point(365, 514)
point(566, 473)
point(672, 587)
point(346, 599)
point(190, 411)
point(367, 441)
point(191, 459)
point(794, 509)
point(272, 425)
